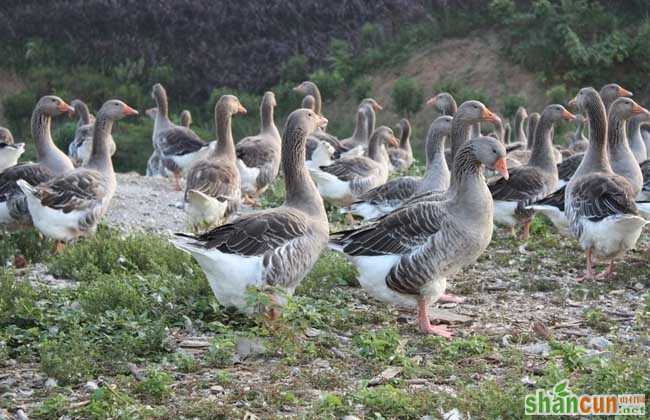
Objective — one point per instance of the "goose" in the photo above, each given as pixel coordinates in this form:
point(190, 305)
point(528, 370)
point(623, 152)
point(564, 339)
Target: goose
point(186, 118)
point(213, 190)
point(599, 203)
point(609, 93)
point(637, 145)
point(258, 157)
point(532, 122)
point(9, 154)
point(360, 135)
point(322, 156)
point(468, 114)
point(444, 103)
point(271, 248)
point(179, 147)
point(359, 146)
point(6, 136)
point(644, 194)
point(389, 196)
point(51, 162)
point(401, 157)
point(645, 133)
point(154, 167)
point(405, 257)
point(578, 142)
point(308, 102)
point(71, 205)
point(342, 182)
point(532, 181)
point(81, 146)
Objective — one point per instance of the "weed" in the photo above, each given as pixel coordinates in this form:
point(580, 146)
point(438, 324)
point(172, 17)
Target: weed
point(379, 345)
point(185, 362)
point(52, 408)
point(390, 402)
point(221, 351)
point(69, 358)
point(571, 355)
point(596, 319)
point(156, 386)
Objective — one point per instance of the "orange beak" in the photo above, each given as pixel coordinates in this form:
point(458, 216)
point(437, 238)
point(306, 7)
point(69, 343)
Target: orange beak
point(377, 107)
point(241, 109)
point(573, 103)
point(624, 92)
point(568, 116)
point(64, 107)
point(431, 101)
point(129, 111)
point(488, 115)
point(298, 89)
point(638, 109)
point(322, 121)
point(501, 166)
point(392, 141)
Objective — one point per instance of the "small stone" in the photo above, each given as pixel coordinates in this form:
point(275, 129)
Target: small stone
point(91, 386)
point(638, 286)
point(350, 417)
point(527, 381)
point(295, 371)
point(50, 383)
point(542, 349)
point(187, 324)
point(216, 389)
point(20, 415)
point(599, 343)
point(452, 415)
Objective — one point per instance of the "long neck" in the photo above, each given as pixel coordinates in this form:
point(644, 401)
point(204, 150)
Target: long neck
point(542, 155)
point(436, 163)
point(360, 129)
point(579, 128)
point(163, 105)
point(519, 127)
point(374, 149)
point(405, 138)
point(48, 153)
point(266, 116)
point(459, 134)
point(318, 104)
point(100, 157)
point(636, 138)
point(370, 120)
point(301, 190)
point(451, 108)
point(533, 125)
point(225, 143)
point(467, 180)
point(596, 158)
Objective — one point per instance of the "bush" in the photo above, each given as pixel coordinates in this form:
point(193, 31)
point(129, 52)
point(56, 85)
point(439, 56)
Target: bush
point(557, 94)
point(361, 88)
point(511, 103)
point(295, 69)
point(407, 96)
point(330, 83)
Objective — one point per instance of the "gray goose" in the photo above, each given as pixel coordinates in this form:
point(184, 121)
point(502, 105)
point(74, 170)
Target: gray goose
point(469, 113)
point(567, 167)
point(179, 147)
point(342, 182)
point(258, 157)
point(309, 88)
point(71, 205)
point(532, 122)
point(532, 181)
point(213, 190)
point(599, 203)
point(9, 154)
point(405, 257)
point(356, 144)
point(645, 133)
point(308, 102)
point(154, 166)
point(271, 248)
point(81, 146)
point(389, 196)
point(444, 103)
point(636, 138)
point(186, 118)
point(578, 142)
point(51, 162)
point(5, 136)
point(401, 157)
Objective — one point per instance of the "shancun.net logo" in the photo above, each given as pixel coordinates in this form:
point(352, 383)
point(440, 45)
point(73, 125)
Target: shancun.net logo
point(561, 401)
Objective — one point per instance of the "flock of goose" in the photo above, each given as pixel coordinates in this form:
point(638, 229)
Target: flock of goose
point(419, 231)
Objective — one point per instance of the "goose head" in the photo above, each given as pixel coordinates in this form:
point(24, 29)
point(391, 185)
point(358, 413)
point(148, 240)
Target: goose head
point(308, 102)
point(372, 103)
point(306, 88)
point(444, 103)
point(159, 94)
point(584, 98)
point(491, 153)
point(12, 150)
point(53, 106)
point(521, 113)
point(556, 113)
point(384, 136)
point(114, 109)
point(230, 105)
point(151, 113)
point(186, 118)
point(404, 127)
point(610, 92)
point(81, 111)
point(471, 112)
point(6, 136)
point(305, 120)
point(625, 108)
point(269, 99)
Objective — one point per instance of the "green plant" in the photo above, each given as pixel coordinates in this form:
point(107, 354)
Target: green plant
point(295, 69)
point(407, 96)
point(221, 351)
point(557, 94)
point(361, 88)
point(53, 407)
point(330, 83)
point(571, 355)
point(391, 402)
point(156, 385)
point(185, 362)
point(511, 103)
point(596, 319)
point(70, 358)
point(379, 345)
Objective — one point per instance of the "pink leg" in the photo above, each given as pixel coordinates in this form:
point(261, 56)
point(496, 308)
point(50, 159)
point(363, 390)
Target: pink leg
point(177, 181)
point(609, 273)
point(525, 232)
point(449, 298)
point(589, 273)
point(425, 324)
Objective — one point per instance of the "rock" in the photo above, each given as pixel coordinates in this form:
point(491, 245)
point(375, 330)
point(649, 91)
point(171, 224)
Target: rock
point(638, 286)
point(312, 332)
point(50, 383)
point(91, 386)
point(527, 381)
point(246, 347)
point(20, 415)
point(599, 343)
point(350, 417)
point(452, 415)
point(216, 389)
point(542, 349)
point(385, 376)
point(187, 324)
point(448, 316)
point(295, 371)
